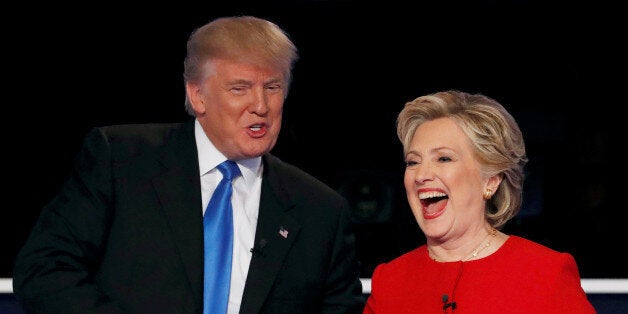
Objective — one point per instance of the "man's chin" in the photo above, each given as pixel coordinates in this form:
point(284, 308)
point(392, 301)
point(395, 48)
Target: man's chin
point(254, 150)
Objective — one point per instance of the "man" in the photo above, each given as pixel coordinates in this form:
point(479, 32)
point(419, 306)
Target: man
point(126, 234)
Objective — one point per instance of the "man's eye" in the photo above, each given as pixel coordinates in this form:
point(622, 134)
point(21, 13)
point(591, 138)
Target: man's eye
point(274, 87)
point(238, 89)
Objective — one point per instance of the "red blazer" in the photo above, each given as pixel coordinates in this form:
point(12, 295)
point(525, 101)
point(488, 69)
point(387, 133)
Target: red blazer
point(521, 277)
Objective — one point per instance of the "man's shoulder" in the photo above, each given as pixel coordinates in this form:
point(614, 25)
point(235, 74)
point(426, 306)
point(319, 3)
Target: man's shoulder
point(136, 139)
point(142, 133)
point(285, 174)
point(139, 130)
point(275, 166)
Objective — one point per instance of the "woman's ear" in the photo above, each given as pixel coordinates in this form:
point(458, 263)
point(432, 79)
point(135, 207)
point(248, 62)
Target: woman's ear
point(493, 182)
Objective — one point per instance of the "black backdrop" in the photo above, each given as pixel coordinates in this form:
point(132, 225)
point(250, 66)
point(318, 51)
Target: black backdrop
point(558, 68)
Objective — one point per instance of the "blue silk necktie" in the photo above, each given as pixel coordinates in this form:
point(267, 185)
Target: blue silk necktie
point(218, 225)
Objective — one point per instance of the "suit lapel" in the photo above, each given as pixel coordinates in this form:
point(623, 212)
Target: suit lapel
point(274, 236)
point(179, 193)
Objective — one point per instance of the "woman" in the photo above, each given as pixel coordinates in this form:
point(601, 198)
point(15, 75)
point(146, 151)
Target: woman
point(464, 159)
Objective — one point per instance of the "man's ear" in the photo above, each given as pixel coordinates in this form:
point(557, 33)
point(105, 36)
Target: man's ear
point(195, 97)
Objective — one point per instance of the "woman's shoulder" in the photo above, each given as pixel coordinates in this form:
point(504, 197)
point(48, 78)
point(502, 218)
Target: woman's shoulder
point(529, 246)
point(402, 262)
point(527, 250)
point(545, 269)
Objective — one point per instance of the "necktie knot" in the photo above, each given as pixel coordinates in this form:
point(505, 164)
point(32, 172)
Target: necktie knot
point(229, 169)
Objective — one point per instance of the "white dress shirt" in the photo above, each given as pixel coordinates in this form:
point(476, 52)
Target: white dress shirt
point(245, 201)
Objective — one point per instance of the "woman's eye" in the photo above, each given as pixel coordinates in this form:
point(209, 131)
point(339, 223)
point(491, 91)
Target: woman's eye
point(444, 159)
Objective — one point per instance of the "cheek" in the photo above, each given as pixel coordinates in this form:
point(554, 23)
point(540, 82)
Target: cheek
point(278, 114)
point(275, 124)
point(465, 184)
point(276, 105)
point(408, 181)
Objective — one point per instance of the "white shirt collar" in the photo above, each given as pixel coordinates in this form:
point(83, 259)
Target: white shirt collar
point(209, 157)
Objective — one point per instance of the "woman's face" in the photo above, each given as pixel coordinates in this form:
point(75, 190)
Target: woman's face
point(443, 180)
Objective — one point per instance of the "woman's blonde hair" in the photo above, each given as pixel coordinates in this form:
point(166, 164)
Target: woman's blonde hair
point(493, 133)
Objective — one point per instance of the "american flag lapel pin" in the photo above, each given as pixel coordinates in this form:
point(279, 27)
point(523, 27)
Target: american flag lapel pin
point(283, 232)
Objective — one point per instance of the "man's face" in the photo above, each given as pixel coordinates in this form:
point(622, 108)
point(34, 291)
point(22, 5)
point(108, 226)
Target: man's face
point(240, 106)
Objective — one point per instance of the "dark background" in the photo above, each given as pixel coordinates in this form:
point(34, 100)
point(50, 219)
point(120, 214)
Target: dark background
point(558, 68)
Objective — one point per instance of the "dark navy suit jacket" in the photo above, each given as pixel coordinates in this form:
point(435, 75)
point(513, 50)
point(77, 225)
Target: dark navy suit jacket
point(125, 234)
